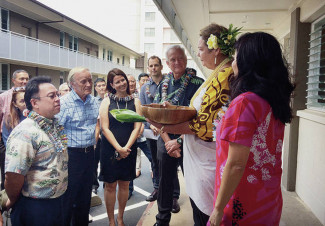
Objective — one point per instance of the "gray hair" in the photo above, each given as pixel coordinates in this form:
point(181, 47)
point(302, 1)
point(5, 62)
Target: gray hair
point(14, 75)
point(74, 71)
point(130, 76)
point(62, 86)
point(175, 47)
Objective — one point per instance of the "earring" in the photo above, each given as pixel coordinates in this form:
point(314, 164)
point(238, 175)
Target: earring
point(215, 60)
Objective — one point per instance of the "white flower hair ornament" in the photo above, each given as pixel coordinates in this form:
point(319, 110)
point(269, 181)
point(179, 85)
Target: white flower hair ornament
point(225, 42)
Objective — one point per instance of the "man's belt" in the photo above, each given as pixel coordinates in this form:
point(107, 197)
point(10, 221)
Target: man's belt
point(84, 150)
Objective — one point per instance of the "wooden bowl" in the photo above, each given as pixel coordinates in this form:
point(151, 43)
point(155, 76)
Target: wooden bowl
point(168, 115)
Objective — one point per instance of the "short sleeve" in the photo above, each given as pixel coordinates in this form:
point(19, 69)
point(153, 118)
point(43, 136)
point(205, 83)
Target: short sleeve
point(239, 123)
point(19, 152)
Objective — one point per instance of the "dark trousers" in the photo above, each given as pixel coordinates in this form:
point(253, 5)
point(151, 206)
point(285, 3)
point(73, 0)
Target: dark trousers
point(200, 218)
point(2, 162)
point(144, 148)
point(97, 157)
point(168, 182)
point(152, 144)
point(38, 212)
point(80, 171)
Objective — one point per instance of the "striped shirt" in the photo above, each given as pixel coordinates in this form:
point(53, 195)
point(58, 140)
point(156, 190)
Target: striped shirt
point(79, 119)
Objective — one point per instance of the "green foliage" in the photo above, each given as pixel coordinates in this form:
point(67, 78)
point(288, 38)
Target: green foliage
point(227, 40)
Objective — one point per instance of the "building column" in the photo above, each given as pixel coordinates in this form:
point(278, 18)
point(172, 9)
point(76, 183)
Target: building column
point(298, 60)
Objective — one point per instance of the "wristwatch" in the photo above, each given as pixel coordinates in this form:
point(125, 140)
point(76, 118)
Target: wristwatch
point(180, 141)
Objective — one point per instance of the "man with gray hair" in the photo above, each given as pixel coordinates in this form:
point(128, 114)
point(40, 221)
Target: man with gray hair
point(64, 89)
point(179, 87)
point(78, 115)
point(19, 79)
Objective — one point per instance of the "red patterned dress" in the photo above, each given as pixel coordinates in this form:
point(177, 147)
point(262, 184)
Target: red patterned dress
point(257, 200)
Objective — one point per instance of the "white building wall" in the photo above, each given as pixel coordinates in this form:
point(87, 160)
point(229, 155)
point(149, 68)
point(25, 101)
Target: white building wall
point(310, 183)
point(310, 177)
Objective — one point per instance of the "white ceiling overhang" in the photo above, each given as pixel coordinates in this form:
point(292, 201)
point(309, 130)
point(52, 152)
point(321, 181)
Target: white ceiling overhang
point(188, 17)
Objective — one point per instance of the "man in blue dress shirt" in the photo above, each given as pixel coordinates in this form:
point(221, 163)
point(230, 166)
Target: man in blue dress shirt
point(78, 115)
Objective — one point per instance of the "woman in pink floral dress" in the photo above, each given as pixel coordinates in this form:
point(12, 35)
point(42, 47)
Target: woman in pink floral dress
point(250, 135)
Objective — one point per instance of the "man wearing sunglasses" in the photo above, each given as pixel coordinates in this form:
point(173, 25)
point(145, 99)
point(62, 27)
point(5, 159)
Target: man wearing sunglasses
point(19, 79)
point(37, 160)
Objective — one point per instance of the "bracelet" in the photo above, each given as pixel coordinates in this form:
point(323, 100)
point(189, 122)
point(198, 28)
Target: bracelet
point(161, 129)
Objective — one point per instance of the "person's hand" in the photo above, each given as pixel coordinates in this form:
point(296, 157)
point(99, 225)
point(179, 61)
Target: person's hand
point(124, 152)
point(9, 204)
point(155, 130)
point(215, 218)
point(166, 104)
point(176, 153)
point(154, 124)
point(171, 146)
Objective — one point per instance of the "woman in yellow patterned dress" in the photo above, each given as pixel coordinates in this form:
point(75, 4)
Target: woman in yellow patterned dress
point(211, 101)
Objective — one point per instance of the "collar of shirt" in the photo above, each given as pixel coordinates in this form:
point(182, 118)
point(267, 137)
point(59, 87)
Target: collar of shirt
point(75, 97)
point(174, 81)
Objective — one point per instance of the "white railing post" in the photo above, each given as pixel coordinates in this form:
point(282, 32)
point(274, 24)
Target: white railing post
point(10, 45)
point(25, 48)
point(49, 53)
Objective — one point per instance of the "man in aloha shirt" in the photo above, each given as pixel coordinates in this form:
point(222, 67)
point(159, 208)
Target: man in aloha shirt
point(37, 160)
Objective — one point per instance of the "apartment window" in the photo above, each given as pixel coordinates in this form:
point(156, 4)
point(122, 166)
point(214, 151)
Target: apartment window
point(173, 37)
point(73, 43)
point(5, 78)
point(149, 47)
point(4, 15)
point(123, 60)
point(150, 16)
point(109, 55)
point(149, 32)
point(149, 2)
point(316, 70)
point(62, 39)
point(88, 50)
point(61, 77)
point(118, 60)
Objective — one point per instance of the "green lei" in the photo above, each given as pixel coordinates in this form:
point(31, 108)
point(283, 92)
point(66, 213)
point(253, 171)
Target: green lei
point(52, 128)
point(189, 74)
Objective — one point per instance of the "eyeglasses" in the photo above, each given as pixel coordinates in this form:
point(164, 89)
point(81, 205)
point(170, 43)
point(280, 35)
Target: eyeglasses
point(52, 96)
point(22, 88)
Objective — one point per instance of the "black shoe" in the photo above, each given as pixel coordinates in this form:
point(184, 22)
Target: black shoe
point(160, 224)
point(153, 196)
point(176, 208)
point(130, 194)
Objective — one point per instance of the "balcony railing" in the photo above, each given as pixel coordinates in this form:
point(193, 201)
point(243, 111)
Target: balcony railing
point(14, 46)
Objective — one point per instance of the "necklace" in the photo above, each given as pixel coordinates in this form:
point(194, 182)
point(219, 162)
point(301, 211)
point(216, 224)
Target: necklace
point(52, 129)
point(150, 96)
point(120, 99)
point(126, 105)
point(189, 74)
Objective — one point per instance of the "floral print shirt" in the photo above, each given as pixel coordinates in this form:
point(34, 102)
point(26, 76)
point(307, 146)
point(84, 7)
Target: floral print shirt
point(32, 153)
point(257, 200)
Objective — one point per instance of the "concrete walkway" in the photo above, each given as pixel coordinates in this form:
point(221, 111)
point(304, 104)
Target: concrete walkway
point(294, 212)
